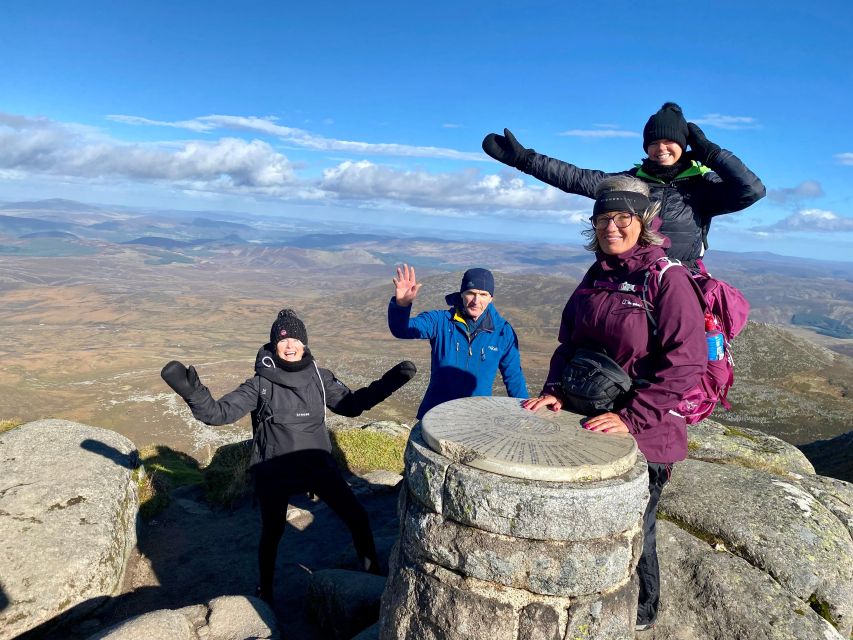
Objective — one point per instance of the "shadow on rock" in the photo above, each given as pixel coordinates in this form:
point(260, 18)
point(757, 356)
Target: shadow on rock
point(128, 461)
point(193, 552)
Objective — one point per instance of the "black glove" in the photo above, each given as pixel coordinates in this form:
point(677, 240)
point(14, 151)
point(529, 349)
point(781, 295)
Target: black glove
point(704, 150)
point(183, 381)
point(506, 149)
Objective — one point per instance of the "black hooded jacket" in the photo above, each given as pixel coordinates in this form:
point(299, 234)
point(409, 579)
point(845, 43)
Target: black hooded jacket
point(688, 202)
point(300, 395)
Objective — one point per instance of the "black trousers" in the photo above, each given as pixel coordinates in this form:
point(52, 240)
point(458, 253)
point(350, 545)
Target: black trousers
point(648, 570)
point(315, 471)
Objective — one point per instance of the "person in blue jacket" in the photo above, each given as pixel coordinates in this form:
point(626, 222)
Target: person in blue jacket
point(470, 340)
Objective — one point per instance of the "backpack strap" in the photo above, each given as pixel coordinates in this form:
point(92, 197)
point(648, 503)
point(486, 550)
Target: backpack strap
point(263, 412)
point(668, 263)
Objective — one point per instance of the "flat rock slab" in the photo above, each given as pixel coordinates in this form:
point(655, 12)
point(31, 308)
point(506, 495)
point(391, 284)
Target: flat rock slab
point(711, 594)
point(498, 435)
point(223, 618)
point(714, 442)
point(68, 506)
point(775, 524)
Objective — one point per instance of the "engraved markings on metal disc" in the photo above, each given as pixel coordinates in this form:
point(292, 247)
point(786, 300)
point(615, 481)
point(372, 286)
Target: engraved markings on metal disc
point(497, 434)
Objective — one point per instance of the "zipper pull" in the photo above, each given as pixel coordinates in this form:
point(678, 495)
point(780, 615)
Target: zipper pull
point(482, 354)
point(469, 350)
point(457, 346)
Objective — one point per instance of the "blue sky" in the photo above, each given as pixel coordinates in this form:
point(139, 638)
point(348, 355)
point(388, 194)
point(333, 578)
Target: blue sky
point(374, 112)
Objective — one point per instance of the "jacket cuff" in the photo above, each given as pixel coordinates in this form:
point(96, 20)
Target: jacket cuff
point(629, 422)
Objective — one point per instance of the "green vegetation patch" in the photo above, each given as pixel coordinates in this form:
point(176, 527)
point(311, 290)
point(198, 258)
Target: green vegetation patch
point(6, 425)
point(360, 451)
point(734, 432)
point(226, 478)
point(163, 470)
point(822, 609)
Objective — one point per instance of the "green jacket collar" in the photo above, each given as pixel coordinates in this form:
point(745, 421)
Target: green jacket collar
point(696, 168)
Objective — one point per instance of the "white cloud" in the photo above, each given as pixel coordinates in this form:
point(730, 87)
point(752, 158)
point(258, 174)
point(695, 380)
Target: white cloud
point(818, 220)
point(267, 125)
point(599, 133)
point(450, 125)
point(845, 158)
point(793, 195)
point(727, 122)
point(37, 149)
point(467, 190)
point(41, 146)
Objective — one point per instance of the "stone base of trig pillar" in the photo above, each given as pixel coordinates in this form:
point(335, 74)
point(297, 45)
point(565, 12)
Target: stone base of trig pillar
point(515, 526)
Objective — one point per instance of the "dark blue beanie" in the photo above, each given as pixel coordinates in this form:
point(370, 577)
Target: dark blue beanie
point(478, 278)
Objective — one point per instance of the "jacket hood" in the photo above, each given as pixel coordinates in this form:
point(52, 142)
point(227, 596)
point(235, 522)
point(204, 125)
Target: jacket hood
point(637, 258)
point(287, 374)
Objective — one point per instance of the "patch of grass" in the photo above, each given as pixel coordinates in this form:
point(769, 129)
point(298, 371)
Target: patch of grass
point(226, 478)
point(361, 451)
point(7, 425)
point(163, 470)
point(735, 432)
point(821, 608)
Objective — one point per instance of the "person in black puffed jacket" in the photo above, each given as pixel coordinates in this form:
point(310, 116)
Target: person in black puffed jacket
point(692, 186)
point(291, 450)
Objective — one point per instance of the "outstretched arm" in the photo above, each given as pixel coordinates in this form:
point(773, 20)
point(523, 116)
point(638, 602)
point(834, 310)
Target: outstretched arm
point(348, 403)
point(567, 177)
point(230, 408)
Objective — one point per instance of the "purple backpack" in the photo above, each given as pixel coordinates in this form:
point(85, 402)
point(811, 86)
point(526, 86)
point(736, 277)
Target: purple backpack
point(730, 310)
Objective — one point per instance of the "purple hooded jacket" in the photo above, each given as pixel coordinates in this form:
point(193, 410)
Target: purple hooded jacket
point(672, 362)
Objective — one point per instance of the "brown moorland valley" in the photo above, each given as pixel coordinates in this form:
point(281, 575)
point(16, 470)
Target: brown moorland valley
point(86, 323)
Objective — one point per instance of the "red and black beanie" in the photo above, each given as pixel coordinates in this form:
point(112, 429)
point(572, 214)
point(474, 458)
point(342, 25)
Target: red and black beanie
point(288, 325)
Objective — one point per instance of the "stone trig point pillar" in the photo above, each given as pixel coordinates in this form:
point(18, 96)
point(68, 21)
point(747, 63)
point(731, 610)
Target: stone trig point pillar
point(515, 526)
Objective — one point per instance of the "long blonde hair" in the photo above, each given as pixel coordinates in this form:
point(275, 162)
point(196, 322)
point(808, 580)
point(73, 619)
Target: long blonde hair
point(635, 185)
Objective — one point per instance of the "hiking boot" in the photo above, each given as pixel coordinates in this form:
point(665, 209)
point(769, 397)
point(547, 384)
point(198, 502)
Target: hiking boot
point(644, 626)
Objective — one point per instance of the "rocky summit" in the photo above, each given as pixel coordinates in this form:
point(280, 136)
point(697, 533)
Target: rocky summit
point(753, 546)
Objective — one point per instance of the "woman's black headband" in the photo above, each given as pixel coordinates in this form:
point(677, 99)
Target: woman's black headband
point(621, 201)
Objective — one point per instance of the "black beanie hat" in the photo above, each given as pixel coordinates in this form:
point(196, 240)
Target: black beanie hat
point(667, 124)
point(478, 278)
point(288, 325)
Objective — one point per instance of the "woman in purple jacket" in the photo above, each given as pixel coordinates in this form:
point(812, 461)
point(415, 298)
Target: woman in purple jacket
point(606, 314)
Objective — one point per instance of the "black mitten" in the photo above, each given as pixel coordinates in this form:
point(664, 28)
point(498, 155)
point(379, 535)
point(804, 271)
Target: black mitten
point(704, 150)
point(505, 148)
point(183, 381)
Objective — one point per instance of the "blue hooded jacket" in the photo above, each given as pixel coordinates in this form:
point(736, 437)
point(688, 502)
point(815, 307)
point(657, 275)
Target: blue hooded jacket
point(462, 364)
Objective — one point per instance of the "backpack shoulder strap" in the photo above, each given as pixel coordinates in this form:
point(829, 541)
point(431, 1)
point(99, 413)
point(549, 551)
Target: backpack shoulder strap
point(667, 263)
point(263, 411)
point(661, 266)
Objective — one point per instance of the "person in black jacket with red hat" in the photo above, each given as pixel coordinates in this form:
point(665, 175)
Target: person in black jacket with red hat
point(291, 449)
point(692, 186)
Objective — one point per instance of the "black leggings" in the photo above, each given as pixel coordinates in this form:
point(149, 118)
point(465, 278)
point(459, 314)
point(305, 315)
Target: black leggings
point(648, 569)
point(277, 480)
